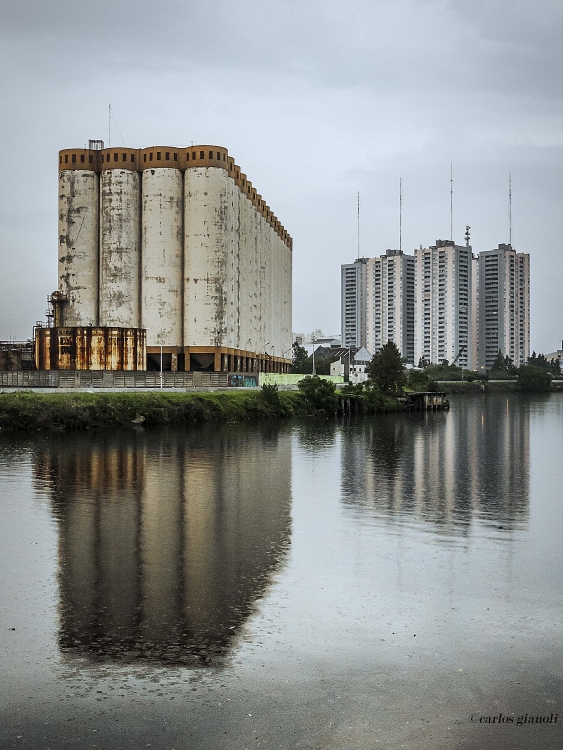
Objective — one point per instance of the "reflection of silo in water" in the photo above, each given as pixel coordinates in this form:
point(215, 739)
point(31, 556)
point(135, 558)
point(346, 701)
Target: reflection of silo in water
point(165, 541)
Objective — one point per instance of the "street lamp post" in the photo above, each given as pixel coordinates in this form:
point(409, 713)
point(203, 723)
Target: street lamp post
point(314, 339)
point(161, 375)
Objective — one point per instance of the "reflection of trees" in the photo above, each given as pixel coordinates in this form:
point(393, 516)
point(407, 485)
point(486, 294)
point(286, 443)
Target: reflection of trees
point(442, 467)
point(316, 434)
point(166, 539)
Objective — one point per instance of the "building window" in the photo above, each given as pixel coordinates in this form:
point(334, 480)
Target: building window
point(74, 158)
point(158, 154)
point(193, 155)
point(224, 157)
point(175, 157)
point(187, 155)
point(115, 157)
point(167, 156)
point(81, 157)
point(150, 156)
point(211, 154)
point(124, 157)
point(90, 158)
point(144, 157)
point(202, 154)
point(218, 156)
point(133, 157)
point(66, 158)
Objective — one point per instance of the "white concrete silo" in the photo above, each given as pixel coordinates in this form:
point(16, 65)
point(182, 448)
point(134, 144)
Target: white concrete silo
point(120, 238)
point(248, 281)
point(162, 254)
point(207, 264)
point(78, 235)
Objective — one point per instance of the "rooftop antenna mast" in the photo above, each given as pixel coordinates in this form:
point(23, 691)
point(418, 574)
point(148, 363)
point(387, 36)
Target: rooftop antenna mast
point(109, 125)
point(358, 225)
point(510, 210)
point(451, 201)
point(400, 213)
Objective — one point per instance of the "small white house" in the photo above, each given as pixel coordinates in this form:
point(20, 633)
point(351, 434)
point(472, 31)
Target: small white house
point(359, 359)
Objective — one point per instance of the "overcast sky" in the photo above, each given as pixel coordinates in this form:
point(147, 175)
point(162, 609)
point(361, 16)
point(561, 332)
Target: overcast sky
point(316, 100)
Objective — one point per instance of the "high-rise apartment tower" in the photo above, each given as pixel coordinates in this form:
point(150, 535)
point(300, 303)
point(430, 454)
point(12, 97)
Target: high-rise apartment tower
point(390, 302)
point(443, 304)
point(504, 306)
point(354, 303)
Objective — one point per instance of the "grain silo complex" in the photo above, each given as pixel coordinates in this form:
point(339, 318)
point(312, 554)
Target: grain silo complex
point(169, 248)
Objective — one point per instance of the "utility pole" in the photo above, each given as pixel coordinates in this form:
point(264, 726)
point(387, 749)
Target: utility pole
point(510, 210)
point(358, 224)
point(451, 201)
point(400, 213)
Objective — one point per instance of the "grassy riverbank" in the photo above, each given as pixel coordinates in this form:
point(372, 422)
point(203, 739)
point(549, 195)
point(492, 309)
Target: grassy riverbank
point(83, 411)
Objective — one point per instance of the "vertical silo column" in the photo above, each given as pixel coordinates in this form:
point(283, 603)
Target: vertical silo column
point(78, 235)
point(273, 312)
point(286, 248)
point(241, 328)
point(120, 238)
point(235, 300)
point(248, 287)
point(206, 256)
point(162, 247)
point(249, 227)
point(264, 301)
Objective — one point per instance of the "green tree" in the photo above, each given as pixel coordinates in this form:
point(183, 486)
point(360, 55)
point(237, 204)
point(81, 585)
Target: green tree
point(540, 360)
point(417, 380)
point(532, 379)
point(319, 394)
point(386, 369)
point(503, 367)
point(300, 358)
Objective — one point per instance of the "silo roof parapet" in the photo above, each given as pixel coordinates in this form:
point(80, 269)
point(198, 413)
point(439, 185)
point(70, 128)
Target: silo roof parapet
point(119, 158)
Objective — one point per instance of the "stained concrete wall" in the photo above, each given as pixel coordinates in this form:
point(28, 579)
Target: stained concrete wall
point(162, 256)
point(207, 265)
point(120, 248)
point(185, 247)
point(78, 245)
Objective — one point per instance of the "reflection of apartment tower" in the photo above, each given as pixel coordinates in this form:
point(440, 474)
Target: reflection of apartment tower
point(504, 305)
point(390, 303)
point(354, 302)
point(467, 465)
point(165, 544)
point(443, 303)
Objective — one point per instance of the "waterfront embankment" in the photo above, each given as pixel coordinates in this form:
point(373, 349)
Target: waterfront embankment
point(489, 386)
point(83, 411)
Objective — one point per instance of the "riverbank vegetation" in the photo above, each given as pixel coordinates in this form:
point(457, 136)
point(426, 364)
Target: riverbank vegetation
point(84, 411)
point(388, 380)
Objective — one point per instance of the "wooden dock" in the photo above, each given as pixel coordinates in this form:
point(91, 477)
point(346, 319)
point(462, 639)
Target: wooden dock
point(425, 401)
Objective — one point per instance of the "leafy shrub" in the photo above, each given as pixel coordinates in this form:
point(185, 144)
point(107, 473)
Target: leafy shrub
point(319, 394)
point(534, 379)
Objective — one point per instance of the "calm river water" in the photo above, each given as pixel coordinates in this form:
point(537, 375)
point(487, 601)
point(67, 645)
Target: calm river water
point(376, 583)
